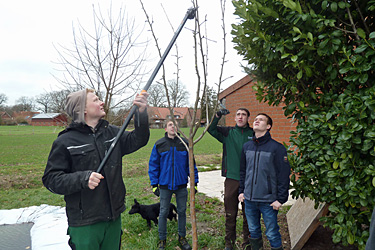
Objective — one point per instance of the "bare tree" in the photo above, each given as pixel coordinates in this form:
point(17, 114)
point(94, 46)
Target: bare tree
point(178, 94)
point(52, 102)
point(109, 59)
point(24, 103)
point(202, 94)
point(44, 100)
point(157, 96)
point(58, 98)
point(209, 103)
point(3, 98)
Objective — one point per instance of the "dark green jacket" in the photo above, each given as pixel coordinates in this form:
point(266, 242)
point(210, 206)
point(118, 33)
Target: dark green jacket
point(233, 139)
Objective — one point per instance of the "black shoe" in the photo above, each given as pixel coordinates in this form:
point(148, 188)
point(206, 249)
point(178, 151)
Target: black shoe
point(184, 244)
point(256, 244)
point(161, 244)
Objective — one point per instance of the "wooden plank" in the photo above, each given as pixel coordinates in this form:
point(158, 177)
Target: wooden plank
point(302, 220)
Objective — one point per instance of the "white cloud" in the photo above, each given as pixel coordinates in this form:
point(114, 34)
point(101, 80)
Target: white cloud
point(29, 29)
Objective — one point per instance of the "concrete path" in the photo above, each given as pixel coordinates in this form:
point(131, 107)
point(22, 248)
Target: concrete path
point(211, 183)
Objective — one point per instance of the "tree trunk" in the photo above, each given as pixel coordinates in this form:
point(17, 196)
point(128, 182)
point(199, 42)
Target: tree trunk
point(192, 195)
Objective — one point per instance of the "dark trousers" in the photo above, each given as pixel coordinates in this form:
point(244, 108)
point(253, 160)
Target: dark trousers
point(231, 210)
point(165, 200)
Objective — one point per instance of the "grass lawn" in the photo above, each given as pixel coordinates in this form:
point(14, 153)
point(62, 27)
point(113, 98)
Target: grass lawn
point(23, 154)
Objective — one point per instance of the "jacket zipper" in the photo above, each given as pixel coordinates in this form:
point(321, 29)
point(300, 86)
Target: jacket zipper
point(257, 168)
point(173, 167)
point(80, 198)
point(109, 191)
point(255, 171)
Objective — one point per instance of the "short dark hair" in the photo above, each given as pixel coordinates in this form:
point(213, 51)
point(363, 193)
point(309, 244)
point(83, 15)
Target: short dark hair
point(167, 121)
point(269, 119)
point(246, 110)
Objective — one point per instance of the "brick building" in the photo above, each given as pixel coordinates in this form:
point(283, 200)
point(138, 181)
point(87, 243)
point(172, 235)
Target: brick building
point(24, 116)
point(241, 94)
point(6, 118)
point(49, 119)
point(182, 115)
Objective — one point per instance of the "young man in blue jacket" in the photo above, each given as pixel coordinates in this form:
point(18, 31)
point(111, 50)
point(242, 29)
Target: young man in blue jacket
point(94, 201)
point(169, 172)
point(264, 182)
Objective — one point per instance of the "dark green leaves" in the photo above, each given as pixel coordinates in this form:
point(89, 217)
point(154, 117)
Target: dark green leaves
point(319, 61)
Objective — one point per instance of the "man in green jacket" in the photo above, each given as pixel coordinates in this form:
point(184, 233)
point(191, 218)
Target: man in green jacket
point(233, 139)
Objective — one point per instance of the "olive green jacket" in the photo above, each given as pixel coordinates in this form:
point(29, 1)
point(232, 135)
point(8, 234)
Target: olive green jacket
point(233, 139)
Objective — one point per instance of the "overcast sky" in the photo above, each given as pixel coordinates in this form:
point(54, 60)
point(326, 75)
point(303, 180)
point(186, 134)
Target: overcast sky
point(30, 29)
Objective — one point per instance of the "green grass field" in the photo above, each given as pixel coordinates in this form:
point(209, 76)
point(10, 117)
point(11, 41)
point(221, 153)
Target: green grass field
point(23, 155)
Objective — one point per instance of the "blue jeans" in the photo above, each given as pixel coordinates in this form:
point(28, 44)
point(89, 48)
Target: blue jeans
point(253, 212)
point(165, 200)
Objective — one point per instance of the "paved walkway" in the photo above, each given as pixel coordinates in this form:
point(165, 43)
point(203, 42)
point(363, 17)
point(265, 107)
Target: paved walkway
point(211, 183)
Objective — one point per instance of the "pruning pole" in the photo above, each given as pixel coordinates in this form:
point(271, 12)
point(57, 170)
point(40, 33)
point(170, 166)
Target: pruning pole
point(190, 14)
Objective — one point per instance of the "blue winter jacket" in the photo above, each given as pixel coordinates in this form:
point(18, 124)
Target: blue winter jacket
point(264, 170)
point(169, 164)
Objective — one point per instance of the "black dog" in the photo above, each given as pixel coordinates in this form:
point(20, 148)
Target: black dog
point(151, 212)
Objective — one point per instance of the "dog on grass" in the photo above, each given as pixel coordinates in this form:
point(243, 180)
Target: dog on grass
point(151, 212)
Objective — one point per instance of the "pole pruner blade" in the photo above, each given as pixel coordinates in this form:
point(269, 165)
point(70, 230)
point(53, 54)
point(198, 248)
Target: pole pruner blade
point(192, 12)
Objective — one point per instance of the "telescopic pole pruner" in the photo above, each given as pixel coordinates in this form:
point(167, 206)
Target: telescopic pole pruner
point(190, 14)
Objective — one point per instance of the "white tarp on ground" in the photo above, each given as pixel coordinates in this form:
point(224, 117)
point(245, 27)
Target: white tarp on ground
point(49, 229)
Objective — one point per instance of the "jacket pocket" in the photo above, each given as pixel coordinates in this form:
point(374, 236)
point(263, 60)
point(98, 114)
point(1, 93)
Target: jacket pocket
point(80, 149)
point(82, 156)
point(74, 207)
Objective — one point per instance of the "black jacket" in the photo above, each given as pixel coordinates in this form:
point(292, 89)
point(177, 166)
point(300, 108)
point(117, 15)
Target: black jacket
point(76, 153)
point(265, 170)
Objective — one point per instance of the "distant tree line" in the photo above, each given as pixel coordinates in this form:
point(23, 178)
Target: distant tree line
point(54, 101)
point(50, 102)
